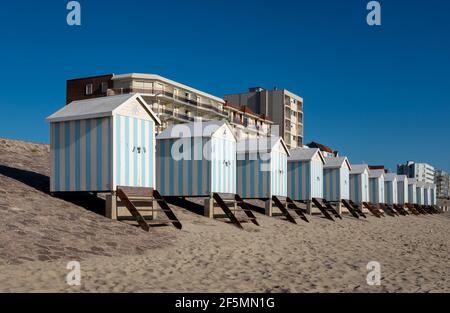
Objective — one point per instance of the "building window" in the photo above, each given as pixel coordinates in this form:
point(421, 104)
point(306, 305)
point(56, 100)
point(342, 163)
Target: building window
point(104, 87)
point(89, 89)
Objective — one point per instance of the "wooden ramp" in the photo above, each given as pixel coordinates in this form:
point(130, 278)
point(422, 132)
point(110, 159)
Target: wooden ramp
point(289, 207)
point(128, 195)
point(323, 208)
point(357, 209)
point(223, 199)
point(373, 209)
point(351, 208)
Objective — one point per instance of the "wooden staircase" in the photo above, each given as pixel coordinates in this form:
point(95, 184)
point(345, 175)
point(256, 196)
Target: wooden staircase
point(323, 208)
point(224, 199)
point(350, 208)
point(129, 195)
point(388, 210)
point(373, 209)
point(357, 209)
point(400, 209)
point(412, 209)
point(287, 208)
point(420, 209)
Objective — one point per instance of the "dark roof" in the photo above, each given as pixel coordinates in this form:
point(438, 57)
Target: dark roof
point(245, 109)
point(320, 146)
point(378, 167)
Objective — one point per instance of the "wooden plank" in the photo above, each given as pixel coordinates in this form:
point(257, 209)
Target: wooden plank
point(322, 209)
point(350, 208)
point(330, 208)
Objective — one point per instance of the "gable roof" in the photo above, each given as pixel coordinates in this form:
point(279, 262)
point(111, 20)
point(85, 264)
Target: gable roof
point(98, 107)
point(266, 144)
point(305, 154)
point(359, 168)
point(402, 178)
point(390, 177)
point(336, 162)
point(194, 129)
point(376, 173)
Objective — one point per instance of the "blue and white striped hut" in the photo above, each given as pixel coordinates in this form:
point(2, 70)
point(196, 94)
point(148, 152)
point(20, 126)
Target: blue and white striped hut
point(402, 189)
point(376, 186)
point(336, 177)
point(305, 174)
point(99, 144)
point(196, 159)
point(420, 190)
point(412, 191)
point(390, 188)
point(433, 194)
point(359, 183)
point(427, 194)
point(262, 168)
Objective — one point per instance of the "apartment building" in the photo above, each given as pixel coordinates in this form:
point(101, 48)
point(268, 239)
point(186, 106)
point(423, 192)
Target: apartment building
point(172, 101)
point(284, 108)
point(442, 181)
point(420, 171)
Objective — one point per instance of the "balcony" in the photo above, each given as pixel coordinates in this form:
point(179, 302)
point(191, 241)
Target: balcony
point(169, 95)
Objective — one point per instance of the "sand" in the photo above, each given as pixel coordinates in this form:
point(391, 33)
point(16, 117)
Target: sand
point(40, 234)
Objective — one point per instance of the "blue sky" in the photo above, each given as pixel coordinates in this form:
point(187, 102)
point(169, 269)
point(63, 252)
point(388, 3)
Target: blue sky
point(377, 94)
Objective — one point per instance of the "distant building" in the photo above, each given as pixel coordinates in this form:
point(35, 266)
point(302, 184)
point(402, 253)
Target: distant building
point(420, 171)
point(284, 108)
point(326, 151)
point(442, 181)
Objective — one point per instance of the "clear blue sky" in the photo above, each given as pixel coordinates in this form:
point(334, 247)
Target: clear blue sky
point(377, 94)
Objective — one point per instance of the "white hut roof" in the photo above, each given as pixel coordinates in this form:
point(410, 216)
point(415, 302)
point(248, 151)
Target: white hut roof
point(376, 173)
point(255, 145)
point(420, 184)
point(305, 154)
point(195, 129)
point(336, 162)
point(359, 168)
point(402, 178)
point(390, 177)
point(97, 108)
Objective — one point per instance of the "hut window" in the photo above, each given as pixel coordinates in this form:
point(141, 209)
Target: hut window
point(89, 89)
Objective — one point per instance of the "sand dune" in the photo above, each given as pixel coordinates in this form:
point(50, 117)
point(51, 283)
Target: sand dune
point(40, 234)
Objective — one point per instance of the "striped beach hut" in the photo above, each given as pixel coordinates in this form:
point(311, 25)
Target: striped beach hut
point(336, 177)
point(402, 189)
point(427, 193)
point(262, 168)
point(196, 159)
point(412, 191)
point(376, 186)
point(359, 183)
point(433, 194)
point(390, 188)
point(99, 144)
point(420, 191)
point(305, 174)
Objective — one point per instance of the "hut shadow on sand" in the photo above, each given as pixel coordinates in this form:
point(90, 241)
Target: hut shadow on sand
point(41, 183)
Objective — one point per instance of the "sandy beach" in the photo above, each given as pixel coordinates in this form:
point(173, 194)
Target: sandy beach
point(40, 234)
